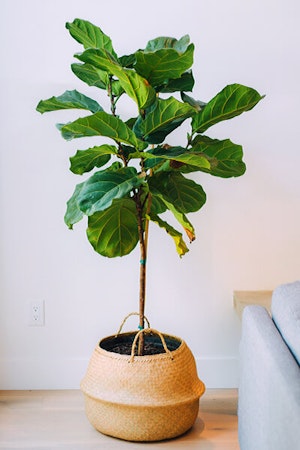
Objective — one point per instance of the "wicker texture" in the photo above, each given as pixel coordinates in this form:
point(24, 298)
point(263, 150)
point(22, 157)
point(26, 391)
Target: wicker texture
point(142, 398)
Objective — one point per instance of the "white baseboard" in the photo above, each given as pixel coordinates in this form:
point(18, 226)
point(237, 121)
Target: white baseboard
point(30, 374)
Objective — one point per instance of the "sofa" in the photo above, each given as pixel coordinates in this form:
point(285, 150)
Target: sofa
point(269, 373)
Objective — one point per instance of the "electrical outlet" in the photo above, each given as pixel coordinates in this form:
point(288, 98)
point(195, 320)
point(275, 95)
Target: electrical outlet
point(37, 314)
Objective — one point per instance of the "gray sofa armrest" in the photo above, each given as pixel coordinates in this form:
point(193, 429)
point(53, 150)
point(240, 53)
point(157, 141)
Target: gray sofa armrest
point(269, 388)
point(286, 315)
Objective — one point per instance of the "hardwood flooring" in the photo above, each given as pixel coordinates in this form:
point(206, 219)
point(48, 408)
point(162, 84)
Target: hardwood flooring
point(55, 420)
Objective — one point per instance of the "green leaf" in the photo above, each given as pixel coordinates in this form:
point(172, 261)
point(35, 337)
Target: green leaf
point(127, 151)
point(184, 83)
point(115, 167)
point(90, 75)
point(133, 84)
point(232, 101)
point(130, 122)
point(157, 205)
point(164, 117)
point(73, 213)
point(181, 247)
point(103, 187)
point(127, 60)
point(197, 104)
point(86, 160)
point(114, 232)
point(116, 88)
point(161, 42)
point(180, 217)
point(69, 100)
point(186, 195)
point(96, 77)
point(225, 157)
point(99, 58)
point(159, 66)
point(89, 35)
point(101, 124)
point(194, 156)
point(136, 87)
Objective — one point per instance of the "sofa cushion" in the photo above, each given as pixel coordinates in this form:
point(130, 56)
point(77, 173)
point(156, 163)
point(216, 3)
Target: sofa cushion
point(286, 315)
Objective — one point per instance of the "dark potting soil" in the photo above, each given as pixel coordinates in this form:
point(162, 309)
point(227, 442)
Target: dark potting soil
point(125, 349)
point(122, 344)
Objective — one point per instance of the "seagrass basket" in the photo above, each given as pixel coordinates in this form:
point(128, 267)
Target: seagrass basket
point(142, 398)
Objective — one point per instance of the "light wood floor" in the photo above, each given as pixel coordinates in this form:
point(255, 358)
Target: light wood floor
point(55, 420)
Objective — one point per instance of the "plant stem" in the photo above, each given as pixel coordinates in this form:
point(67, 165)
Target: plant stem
point(112, 98)
point(143, 236)
point(143, 226)
point(143, 262)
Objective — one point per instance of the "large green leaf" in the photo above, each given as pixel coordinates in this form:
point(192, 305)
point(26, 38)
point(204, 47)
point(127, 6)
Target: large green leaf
point(136, 87)
point(73, 213)
point(91, 75)
point(161, 42)
point(225, 157)
point(164, 117)
point(127, 60)
point(69, 100)
point(86, 160)
point(157, 205)
point(197, 104)
point(230, 102)
point(114, 232)
point(180, 217)
point(99, 191)
point(99, 58)
point(184, 83)
point(96, 77)
point(101, 124)
point(186, 195)
point(90, 35)
point(161, 65)
point(133, 84)
point(194, 156)
point(181, 247)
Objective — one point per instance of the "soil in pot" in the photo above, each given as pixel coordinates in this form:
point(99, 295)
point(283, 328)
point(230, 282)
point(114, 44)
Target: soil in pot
point(122, 344)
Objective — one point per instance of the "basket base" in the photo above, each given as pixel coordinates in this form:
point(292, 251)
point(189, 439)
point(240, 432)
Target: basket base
point(141, 423)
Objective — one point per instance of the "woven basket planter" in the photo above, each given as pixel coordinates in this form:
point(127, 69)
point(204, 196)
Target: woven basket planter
point(142, 398)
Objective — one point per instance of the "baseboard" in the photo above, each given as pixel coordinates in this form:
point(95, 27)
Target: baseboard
point(32, 374)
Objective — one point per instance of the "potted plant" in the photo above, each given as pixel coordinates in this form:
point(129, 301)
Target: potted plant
point(143, 385)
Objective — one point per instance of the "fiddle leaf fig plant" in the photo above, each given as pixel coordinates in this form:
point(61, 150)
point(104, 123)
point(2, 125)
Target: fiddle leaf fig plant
point(137, 175)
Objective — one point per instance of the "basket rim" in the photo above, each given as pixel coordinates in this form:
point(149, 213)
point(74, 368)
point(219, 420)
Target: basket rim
point(137, 358)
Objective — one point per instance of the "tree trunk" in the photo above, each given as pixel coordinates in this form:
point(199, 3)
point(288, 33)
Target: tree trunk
point(143, 232)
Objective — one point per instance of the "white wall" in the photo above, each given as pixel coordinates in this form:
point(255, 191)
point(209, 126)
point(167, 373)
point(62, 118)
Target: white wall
point(248, 232)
